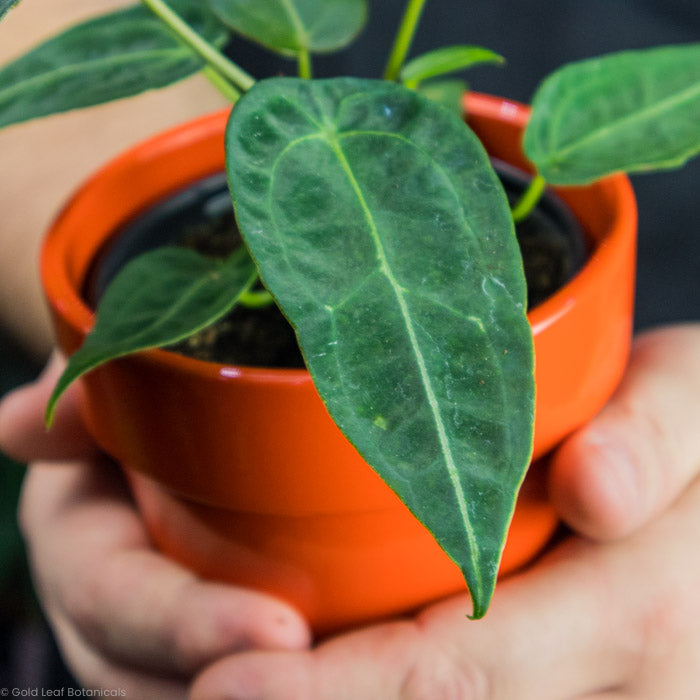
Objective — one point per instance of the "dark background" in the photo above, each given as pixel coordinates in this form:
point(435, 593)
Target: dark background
point(535, 36)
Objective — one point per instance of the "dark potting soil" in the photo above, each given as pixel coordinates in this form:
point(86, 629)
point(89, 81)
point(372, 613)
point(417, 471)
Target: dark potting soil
point(200, 217)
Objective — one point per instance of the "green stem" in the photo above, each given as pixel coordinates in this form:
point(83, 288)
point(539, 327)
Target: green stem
point(304, 63)
point(529, 199)
point(256, 299)
point(221, 84)
point(404, 38)
point(209, 53)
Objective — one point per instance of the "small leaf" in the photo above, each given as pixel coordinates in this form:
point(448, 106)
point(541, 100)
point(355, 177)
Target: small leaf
point(292, 26)
point(5, 5)
point(445, 60)
point(385, 236)
point(628, 111)
point(158, 299)
point(113, 56)
point(448, 93)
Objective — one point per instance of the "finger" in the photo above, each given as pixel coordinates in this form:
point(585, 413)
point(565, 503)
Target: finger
point(23, 434)
point(507, 656)
point(368, 664)
point(642, 450)
point(611, 619)
point(94, 565)
point(95, 672)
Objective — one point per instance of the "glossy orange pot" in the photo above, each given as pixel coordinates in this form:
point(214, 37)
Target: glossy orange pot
point(241, 474)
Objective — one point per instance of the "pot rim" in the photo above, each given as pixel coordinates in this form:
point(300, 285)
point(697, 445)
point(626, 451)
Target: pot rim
point(66, 299)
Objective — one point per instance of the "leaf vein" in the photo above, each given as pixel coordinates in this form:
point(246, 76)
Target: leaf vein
point(299, 28)
point(74, 69)
point(420, 360)
point(652, 110)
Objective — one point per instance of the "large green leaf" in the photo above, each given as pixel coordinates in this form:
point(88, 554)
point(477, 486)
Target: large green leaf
point(158, 299)
point(629, 111)
point(113, 56)
point(5, 5)
point(291, 26)
point(382, 231)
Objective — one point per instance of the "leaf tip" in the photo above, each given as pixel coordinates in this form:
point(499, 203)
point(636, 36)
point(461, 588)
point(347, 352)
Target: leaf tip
point(50, 412)
point(64, 381)
point(481, 599)
point(477, 612)
point(49, 416)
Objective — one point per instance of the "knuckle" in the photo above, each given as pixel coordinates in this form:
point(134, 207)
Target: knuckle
point(95, 599)
point(670, 622)
point(190, 643)
point(643, 441)
point(185, 647)
point(437, 677)
point(654, 448)
point(663, 630)
point(656, 439)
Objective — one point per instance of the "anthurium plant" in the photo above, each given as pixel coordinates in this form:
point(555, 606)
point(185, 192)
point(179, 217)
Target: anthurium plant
point(374, 219)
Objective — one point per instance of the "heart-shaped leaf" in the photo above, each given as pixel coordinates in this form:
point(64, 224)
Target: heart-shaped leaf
point(5, 5)
point(385, 236)
point(158, 299)
point(629, 111)
point(115, 55)
point(293, 26)
point(445, 60)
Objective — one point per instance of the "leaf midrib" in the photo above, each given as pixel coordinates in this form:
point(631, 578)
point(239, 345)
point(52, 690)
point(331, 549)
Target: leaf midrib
point(420, 361)
point(327, 133)
point(75, 68)
point(649, 111)
point(175, 308)
point(298, 25)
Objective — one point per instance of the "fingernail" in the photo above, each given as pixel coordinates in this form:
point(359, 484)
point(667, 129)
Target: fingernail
point(290, 631)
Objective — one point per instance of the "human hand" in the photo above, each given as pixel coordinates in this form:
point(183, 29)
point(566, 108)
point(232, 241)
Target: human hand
point(609, 616)
point(124, 616)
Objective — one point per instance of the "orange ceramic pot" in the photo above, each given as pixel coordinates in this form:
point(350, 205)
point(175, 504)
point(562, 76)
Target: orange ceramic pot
point(241, 474)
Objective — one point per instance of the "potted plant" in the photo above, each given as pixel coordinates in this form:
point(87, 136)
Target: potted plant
point(378, 225)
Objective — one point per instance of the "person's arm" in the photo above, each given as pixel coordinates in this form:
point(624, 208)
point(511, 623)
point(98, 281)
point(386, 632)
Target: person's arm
point(44, 161)
point(610, 616)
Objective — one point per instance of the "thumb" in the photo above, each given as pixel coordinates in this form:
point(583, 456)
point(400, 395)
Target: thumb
point(23, 434)
point(641, 451)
